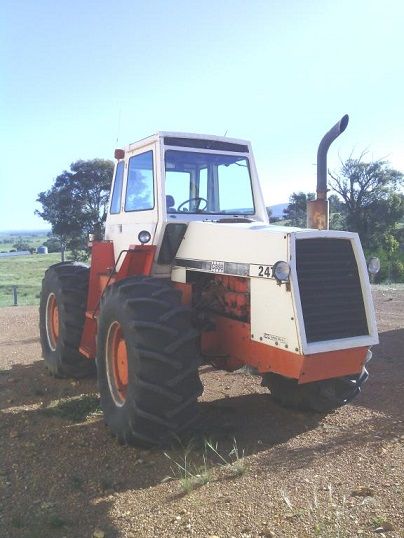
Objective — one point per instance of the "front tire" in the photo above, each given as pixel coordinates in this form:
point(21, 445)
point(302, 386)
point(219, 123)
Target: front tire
point(147, 361)
point(61, 319)
point(320, 396)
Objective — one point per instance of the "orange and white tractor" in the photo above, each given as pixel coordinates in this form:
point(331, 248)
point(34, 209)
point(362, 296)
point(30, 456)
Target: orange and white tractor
point(191, 271)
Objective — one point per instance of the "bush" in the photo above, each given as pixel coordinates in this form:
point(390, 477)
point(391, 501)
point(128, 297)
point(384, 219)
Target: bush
point(391, 270)
point(53, 245)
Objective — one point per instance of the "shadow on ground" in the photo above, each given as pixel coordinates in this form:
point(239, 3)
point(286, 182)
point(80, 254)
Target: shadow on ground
point(59, 478)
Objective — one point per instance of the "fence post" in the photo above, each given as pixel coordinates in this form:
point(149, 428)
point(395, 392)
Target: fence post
point(15, 297)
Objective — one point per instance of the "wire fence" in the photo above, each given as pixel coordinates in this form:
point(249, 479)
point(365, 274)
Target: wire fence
point(19, 295)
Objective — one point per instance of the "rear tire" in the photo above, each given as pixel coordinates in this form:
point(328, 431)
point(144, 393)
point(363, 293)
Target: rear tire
point(320, 396)
point(147, 361)
point(61, 319)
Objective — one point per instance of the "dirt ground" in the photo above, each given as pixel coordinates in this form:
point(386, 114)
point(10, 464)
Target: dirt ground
point(292, 474)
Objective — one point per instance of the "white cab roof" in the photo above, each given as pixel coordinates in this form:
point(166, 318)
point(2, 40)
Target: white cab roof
point(196, 136)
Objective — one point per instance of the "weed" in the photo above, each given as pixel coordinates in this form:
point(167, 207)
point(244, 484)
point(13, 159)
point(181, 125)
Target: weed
point(75, 409)
point(327, 515)
point(239, 465)
point(378, 521)
point(286, 499)
point(191, 482)
point(192, 475)
point(236, 464)
point(238, 468)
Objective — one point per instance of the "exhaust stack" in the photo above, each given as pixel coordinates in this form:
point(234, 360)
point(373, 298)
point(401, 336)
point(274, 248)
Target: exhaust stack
point(317, 210)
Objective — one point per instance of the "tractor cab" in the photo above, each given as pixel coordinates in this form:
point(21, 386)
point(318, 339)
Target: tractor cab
point(167, 180)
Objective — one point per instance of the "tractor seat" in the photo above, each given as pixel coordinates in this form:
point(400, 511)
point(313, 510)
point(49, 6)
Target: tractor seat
point(170, 203)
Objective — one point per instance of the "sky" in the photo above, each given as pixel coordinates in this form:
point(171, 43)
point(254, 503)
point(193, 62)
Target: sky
point(79, 78)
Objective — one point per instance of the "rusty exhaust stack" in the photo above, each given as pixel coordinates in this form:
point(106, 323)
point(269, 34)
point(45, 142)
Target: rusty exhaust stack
point(317, 210)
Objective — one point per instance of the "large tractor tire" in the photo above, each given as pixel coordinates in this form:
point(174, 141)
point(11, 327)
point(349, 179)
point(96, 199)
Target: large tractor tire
point(320, 396)
point(61, 319)
point(147, 362)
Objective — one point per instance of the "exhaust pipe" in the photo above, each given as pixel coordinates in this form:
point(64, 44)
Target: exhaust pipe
point(317, 210)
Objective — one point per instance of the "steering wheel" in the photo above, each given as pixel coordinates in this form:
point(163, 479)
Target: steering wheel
point(198, 199)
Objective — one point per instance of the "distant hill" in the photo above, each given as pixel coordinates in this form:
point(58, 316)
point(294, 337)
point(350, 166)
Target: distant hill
point(25, 232)
point(277, 209)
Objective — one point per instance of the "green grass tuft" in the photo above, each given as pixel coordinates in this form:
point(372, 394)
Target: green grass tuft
point(194, 469)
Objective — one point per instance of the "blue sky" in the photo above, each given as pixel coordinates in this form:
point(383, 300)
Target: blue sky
point(77, 75)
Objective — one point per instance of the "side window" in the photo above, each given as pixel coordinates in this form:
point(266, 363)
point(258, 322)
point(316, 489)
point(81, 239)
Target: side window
point(140, 185)
point(115, 206)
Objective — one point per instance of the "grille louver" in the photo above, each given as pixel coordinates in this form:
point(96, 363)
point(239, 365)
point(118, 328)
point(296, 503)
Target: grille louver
point(330, 290)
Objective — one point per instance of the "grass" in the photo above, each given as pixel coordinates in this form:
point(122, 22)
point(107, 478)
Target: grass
point(329, 514)
point(25, 272)
point(76, 409)
point(195, 469)
point(380, 522)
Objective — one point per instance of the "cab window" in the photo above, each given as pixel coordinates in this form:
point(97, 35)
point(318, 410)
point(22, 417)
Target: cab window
point(140, 183)
point(198, 182)
point(115, 206)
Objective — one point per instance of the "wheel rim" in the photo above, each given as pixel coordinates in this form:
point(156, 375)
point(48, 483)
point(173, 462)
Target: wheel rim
point(117, 364)
point(52, 321)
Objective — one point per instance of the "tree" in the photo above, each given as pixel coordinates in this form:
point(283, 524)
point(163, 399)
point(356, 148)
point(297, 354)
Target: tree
point(337, 219)
point(373, 203)
point(76, 205)
point(53, 244)
point(296, 211)
point(22, 245)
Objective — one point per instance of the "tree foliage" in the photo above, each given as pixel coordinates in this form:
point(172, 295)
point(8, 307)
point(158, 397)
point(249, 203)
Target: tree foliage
point(296, 211)
point(53, 244)
point(373, 203)
point(21, 244)
point(369, 200)
point(76, 204)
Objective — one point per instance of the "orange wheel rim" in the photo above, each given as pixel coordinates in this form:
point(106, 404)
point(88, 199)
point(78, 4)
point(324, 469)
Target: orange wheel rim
point(117, 364)
point(52, 321)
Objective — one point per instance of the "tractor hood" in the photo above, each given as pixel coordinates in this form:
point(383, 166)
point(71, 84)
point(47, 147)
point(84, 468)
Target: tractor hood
point(252, 243)
point(315, 307)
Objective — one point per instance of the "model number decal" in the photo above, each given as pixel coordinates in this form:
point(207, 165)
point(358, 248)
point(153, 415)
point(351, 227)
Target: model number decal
point(275, 338)
point(217, 267)
point(263, 271)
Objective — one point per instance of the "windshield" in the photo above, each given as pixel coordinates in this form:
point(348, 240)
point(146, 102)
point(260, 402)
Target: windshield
point(208, 183)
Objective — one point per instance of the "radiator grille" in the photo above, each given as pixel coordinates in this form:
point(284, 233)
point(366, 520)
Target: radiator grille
point(330, 290)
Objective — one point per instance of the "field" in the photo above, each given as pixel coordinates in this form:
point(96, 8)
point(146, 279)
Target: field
point(32, 238)
point(26, 273)
point(261, 471)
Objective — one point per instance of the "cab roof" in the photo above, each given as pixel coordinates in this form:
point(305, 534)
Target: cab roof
point(194, 140)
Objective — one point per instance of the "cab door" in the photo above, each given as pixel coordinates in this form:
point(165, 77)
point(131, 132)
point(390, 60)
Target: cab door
point(133, 206)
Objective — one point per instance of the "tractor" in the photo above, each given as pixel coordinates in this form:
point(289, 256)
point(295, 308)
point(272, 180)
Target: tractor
point(190, 271)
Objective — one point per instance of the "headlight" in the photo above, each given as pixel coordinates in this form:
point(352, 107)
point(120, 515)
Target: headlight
point(374, 265)
point(281, 271)
point(144, 236)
